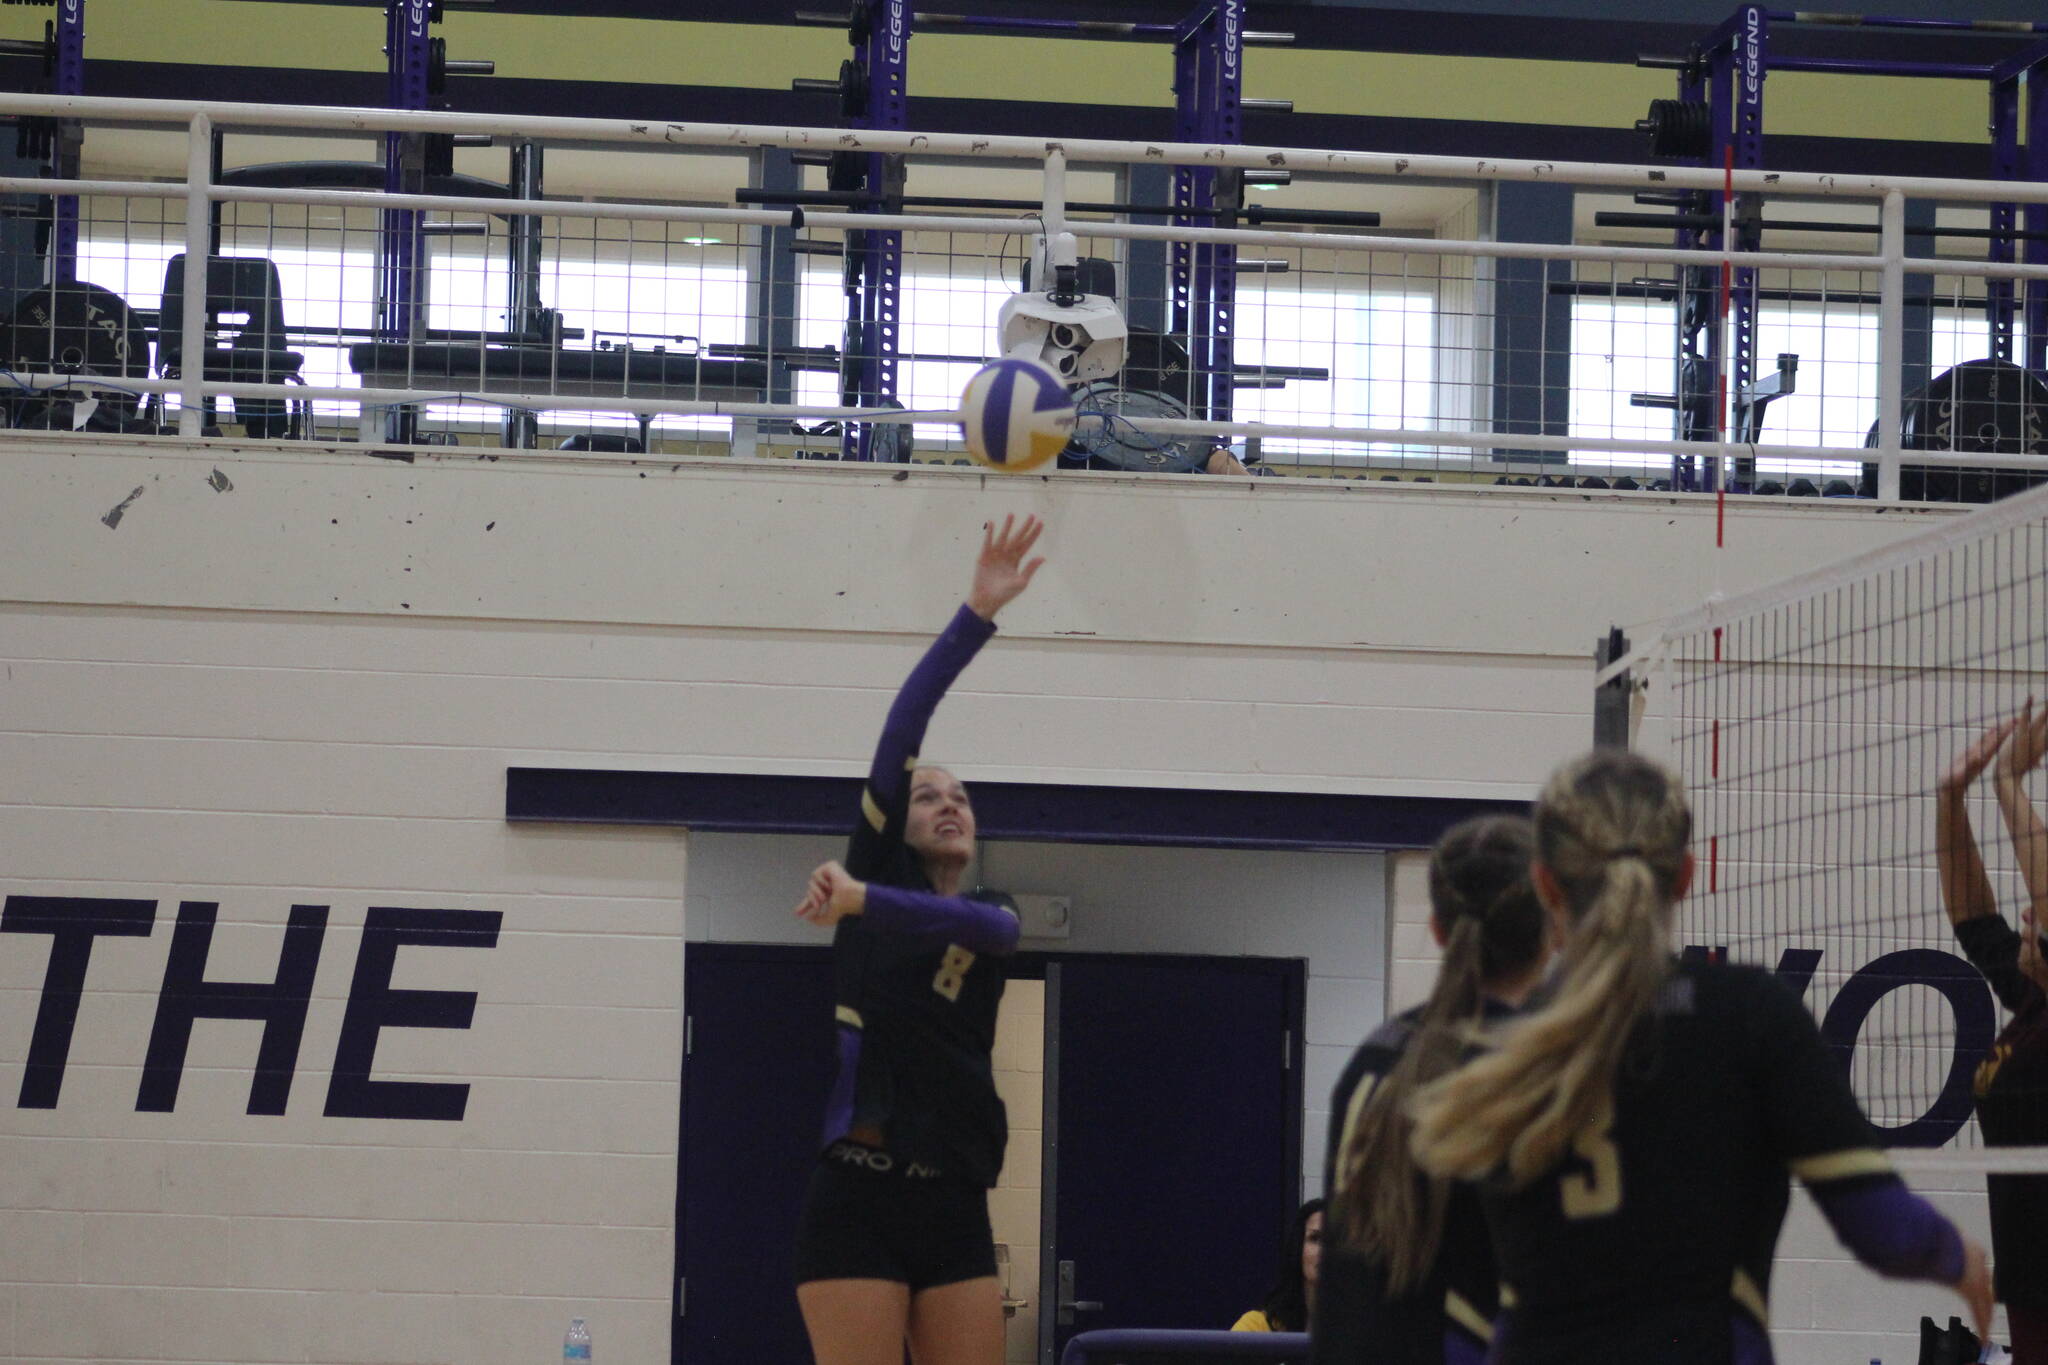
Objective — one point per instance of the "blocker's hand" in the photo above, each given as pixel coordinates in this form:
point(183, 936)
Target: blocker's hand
point(1978, 757)
point(832, 895)
point(1002, 572)
point(2029, 743)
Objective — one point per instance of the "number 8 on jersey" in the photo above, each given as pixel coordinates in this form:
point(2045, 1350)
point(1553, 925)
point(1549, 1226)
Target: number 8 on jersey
point(953, 972)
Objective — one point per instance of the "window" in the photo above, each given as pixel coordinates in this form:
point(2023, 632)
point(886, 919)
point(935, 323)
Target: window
point(1626, 346)
point(1379, 349)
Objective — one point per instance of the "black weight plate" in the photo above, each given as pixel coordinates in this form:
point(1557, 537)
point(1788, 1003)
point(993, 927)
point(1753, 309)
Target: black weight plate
point(1986, 407)
point(1157, 364)
point(853, 90)
point(78, 328)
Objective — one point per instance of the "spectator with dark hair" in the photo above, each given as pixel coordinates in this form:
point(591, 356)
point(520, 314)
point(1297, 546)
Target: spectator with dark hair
point(1292, 1301)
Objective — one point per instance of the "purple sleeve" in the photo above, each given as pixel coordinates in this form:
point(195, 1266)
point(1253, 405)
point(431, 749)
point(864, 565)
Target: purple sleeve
point(886, 799)
point(1462, 1348)
point(920, 695)
point(920, 914)
point(1892, 1230)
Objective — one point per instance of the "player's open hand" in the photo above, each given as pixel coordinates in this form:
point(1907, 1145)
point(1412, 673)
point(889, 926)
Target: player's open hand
point(1975, 1286)
point(832, 895)
point(2023, 753)
point(1002, 571)
point(1978, 757)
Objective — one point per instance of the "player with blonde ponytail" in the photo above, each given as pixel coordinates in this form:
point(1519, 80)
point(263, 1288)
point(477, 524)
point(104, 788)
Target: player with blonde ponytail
point(1633, 1130)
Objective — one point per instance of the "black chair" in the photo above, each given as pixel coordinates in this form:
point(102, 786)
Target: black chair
point(245, 340)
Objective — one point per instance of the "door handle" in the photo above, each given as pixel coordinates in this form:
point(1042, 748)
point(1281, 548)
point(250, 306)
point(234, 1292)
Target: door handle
point(1067, 1304)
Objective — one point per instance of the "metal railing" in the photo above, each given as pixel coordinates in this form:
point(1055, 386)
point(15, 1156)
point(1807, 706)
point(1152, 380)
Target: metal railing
point(1461, 433)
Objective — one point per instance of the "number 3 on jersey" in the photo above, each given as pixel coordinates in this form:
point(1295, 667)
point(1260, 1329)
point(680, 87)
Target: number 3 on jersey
point(1596, 1193)
point(953, 972)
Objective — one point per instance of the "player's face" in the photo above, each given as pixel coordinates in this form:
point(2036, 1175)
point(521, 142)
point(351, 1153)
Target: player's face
point(1312, 1247)
point(941, 823)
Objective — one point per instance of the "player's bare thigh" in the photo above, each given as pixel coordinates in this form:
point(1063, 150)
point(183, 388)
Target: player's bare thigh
point(958, 1324)
point(857, 1322)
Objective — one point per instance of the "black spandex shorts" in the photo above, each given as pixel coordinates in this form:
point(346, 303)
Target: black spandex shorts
point(866, 1218)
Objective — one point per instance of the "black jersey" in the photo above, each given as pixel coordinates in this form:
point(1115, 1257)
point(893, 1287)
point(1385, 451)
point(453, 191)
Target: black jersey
point(2011, 1088)
point(1660, 1226)
point(1358, 1321)
point(917, 1009)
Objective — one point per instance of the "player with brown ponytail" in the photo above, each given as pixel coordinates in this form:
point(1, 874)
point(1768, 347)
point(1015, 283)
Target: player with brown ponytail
point(1407, 1273)
point(1632, 1131)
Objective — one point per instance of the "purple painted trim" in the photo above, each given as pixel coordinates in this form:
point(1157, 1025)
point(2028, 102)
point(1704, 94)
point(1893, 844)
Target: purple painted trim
point(754, 803)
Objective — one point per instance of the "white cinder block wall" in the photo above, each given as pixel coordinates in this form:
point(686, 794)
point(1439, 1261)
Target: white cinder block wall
point(301, 685)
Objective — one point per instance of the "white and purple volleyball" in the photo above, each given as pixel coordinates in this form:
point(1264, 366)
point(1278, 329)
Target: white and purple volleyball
point(1017, 414)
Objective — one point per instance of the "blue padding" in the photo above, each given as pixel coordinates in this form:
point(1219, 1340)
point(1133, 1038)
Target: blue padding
point(1101, 1348)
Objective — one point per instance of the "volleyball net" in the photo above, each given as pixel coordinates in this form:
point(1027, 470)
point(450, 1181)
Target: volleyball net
point(1813, 721)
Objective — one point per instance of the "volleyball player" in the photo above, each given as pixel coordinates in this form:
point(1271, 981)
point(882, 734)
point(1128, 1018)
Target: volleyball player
point(2011, 1085)
point(1408, 1275)
point(1633, 1129)
point(894, 1245)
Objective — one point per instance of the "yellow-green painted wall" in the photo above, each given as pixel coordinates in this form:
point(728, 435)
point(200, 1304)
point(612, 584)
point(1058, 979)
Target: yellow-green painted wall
point(767, 56)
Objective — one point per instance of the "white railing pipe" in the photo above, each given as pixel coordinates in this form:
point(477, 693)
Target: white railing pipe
point(834, 221)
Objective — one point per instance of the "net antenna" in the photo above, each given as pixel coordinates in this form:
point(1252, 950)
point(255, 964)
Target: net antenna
point(1811, 720)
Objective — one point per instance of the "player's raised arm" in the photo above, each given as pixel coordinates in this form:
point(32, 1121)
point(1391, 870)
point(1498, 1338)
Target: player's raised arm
point(1965, 890)
point(2023, 752)
point(2003, 956)
point(1002, 570)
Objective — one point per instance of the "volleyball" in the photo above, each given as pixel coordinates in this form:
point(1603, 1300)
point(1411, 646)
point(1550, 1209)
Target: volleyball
point(1017, 415)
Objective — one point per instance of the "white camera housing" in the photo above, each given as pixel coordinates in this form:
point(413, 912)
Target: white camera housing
point(1079, 341)
point(1080, 338)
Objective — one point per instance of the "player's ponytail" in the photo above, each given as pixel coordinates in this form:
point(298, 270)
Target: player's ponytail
point(1612, 828)
point(1482, 903)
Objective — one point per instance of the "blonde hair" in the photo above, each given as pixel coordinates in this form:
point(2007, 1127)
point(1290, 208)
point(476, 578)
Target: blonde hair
point(1483, 904)
point(1612, 827)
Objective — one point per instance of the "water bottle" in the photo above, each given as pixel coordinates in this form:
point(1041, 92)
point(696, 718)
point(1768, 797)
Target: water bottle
point(576, 1345)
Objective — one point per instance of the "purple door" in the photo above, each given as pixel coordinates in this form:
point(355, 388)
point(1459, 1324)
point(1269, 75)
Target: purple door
point(757, 1063)
point(1172, 1140)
